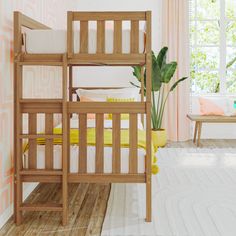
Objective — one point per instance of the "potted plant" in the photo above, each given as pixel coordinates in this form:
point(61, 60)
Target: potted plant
point(162, 73)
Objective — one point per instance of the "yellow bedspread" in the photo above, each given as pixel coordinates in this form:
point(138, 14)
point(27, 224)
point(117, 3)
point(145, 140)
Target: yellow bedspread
point(91, 140)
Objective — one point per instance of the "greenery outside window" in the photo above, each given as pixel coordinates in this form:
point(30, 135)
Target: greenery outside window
point(213, 46)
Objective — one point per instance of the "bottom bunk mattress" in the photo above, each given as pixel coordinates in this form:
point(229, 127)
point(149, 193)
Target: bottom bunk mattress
point(91, 149)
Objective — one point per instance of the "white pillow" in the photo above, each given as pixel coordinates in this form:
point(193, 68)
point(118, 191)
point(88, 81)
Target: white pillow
point(101, 95)
point(232, 106)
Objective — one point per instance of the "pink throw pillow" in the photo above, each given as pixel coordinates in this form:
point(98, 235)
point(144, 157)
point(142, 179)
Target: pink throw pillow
point(90, 115)
point(207, 108)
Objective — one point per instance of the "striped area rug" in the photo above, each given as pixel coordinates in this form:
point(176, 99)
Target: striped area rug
point(193, 195)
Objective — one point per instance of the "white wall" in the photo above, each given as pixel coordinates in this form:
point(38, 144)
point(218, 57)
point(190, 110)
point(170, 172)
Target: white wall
point(214, 131)
point(114, 76)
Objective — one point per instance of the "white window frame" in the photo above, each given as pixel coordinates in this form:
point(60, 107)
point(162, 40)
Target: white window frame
point(222, 72)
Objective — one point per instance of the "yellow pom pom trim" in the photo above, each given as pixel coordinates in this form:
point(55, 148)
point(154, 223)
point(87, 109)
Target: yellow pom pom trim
point(154, 159)
point(155, 169)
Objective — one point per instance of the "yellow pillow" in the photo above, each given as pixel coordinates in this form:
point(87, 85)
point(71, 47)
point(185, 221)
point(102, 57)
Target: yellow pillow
point(123, 116)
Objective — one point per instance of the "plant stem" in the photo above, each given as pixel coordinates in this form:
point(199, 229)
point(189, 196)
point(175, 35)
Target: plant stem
point(158, 103)
point(154, 112)
point(163, 108)
point(159, 113)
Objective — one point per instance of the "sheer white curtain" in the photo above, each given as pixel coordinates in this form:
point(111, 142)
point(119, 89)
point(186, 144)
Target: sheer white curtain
point(175, 35)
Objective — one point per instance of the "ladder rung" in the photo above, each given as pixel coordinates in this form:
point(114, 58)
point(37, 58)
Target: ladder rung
point(41, 207)
point(40, 172)
point(36, 136)
point(41, 106)
point(40, 100)
point(40, 63)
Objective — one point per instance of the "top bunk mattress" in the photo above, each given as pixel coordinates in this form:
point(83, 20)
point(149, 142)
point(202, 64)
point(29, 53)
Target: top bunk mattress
point(55, 41)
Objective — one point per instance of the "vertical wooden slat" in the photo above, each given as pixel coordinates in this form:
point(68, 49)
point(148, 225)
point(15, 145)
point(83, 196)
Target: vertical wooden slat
point(133, 147)
point(100, 36)
point(134, 37)
point(82, 143)
point(117, 36)
point(70, 99)
point(83, 36)
point(32, 142)
point(142, 92)
point(99, 143)
point(64, 144)
point(49, 142)
point(70, 83)
point(70, 37)
point(68, 141)
point(116, 167)
point(148, 119)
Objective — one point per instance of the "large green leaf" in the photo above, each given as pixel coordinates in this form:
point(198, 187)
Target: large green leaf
point(154, 59)
point(176, 83)
point(161, 58)
point(137, 72)
point(156, 78)
point(168, 71)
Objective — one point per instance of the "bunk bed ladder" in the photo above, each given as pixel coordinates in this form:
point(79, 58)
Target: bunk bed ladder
point(31, 174)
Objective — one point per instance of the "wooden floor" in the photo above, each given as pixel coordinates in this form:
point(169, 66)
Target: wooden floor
point(87, 208)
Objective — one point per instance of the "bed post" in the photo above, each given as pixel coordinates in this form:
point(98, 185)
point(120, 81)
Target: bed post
point(17, 118)
point(148, 120)
point(64, 145)
point(70, 37)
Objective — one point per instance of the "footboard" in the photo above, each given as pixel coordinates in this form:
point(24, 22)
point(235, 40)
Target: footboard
point(100, 109)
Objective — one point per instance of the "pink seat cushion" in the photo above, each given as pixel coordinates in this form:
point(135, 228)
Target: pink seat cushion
point(207, 108)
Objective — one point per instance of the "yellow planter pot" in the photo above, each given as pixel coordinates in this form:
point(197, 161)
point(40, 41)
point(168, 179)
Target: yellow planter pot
point(159, 138)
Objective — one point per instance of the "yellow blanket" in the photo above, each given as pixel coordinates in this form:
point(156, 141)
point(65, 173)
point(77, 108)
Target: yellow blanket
point(91, 140)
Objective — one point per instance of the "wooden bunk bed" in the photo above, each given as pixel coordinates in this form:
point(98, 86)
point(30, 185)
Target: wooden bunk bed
point(66, 106)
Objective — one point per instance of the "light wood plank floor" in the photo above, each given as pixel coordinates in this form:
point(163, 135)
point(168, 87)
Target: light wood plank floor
point(87, 208)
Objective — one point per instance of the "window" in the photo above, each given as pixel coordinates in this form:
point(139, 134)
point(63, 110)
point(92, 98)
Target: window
point(213, 46)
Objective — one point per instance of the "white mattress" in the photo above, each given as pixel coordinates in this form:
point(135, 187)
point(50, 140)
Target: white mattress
point(91, 150)
point(55, 41)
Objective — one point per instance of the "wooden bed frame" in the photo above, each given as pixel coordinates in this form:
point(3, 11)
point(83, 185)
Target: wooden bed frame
point(67, 107)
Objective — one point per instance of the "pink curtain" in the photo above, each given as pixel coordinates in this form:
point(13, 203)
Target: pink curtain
point(175, 35)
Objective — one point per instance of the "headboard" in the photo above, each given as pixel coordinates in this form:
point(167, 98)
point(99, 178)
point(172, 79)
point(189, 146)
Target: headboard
point(101, 17)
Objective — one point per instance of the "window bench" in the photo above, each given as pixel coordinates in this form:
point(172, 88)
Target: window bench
point(199, 119)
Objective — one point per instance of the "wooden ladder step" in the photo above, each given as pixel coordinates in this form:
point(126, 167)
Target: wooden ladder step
point(36, 136)
point(40, 63)
point(41, 172)
point(40, 100)
point(41, 207)
point(41, 105)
